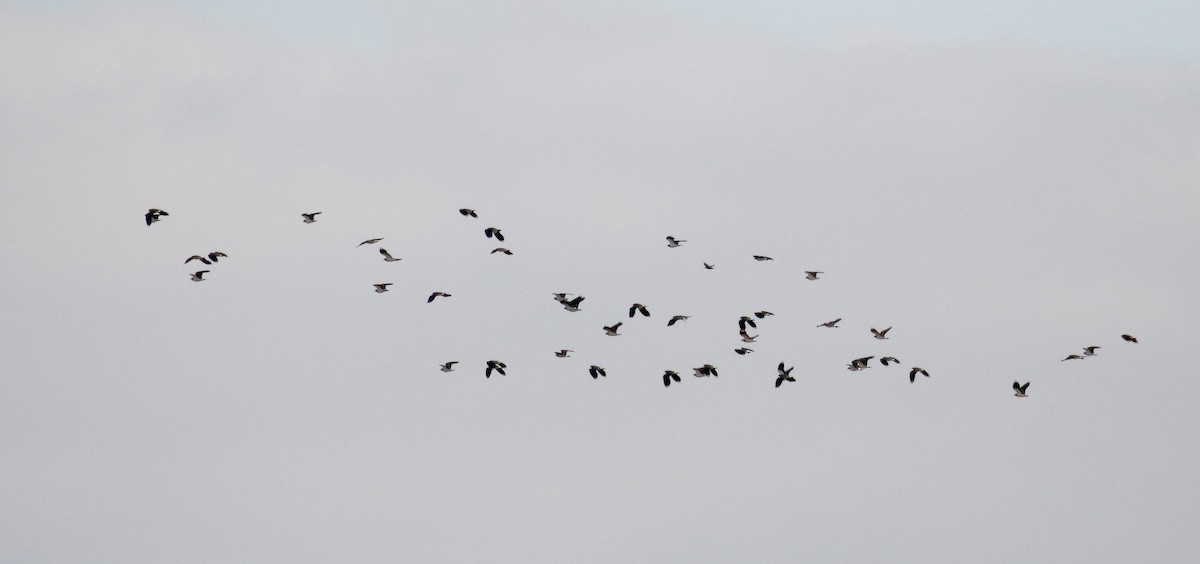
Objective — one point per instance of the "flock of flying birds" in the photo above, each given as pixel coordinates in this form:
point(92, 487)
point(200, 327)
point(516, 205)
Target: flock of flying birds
point(572, 305)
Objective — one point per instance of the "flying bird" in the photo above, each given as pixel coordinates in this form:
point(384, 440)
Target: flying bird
point(501, 250)
point(611, 331)
point(746, 338)
point(830, 323)
point(436, 295)
point(564, 353)
point(573, 305)
point(381, 288)
point(1089, 351)
point(1130, 338)
point(154, 215)
point(881, 335)
point(709, 266)
point(213, 256)
point(860, 363)
point(762, 314)
point(494, 365)
point(677, 318)
point(1020, 389)
point(198, 276)
point(597, 371)
point(743, 350)
point(638, 307)
point(706, 370)
point(493, 232)
point(912, 376)
point(784, 376)
point(812, 274)
point(310, 217)
point(746, 320)
point(370, 241)
point(449, 366)
point(197, 257)
point(1072, 357)
point(387, 257)
point(560, 297)
point(761, 258)
point(467, 212)
point(668, 376)
point(885, 360)
point(673, 242)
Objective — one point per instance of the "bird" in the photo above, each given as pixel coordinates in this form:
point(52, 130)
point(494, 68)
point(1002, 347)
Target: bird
point(746, 320)
point(860, 363)
point(493, 232)
point(573, 305)
point(213, 256)
point(310, 217)
point(746, 338)
point(668, 376)
point(743, 350)
point(830, 323)
point(1072, 357)
point(494, 365)
point(761, 258)
point(438, 294)
point(912, 376)
point(197, 257)
point(784, 376)
point(709, 266)
point(812, 274)
point(467, 212)
point(596, 372)
point(762, 314)
point(706, 370)
point(501, 250)
point(1089, 351)
point(449, 366)
point(611, 331)
point(638, 307)
point(370, 241)
point(885, 360)
point(677, 318)
point(881, 335)
point(673, 242)
point(154, 215)
point(1130, 338)
point(198, 276)
point(560, 297)
point(564, 353)
point(1020, 389)
point(381, 288)
point(387, 257)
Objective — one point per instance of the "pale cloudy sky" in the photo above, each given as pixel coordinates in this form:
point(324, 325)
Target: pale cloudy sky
point(1004, 186)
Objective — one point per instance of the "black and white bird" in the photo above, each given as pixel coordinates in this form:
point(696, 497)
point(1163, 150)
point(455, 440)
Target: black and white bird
point(1089, 351)
point(381, 288)
point(881, 335)
point(1072, 357)
point(746, 337)
point(785, 375)
point(635, 308)
point(673, 242)
point(611, 330)
point(1130, 338)
point(1020, 389)
point(597, 372)
point(885, 360)
point(493, 232)
point(762, 314)
point(830, 323)
point(197, 257)
point(564, 353)
point(387, 257)
point(860, 363)
point(761, 258)
point(370, 241)
point(198, 276)
point(438, 294)
point(709, 266)
point(310, 217)
point(494, 365)
point(467, 212)
point(668, 376)
point(449, 366)
point(560, 297)
point(912, 376)
point(154, 215)
point(812, 274)
point(573, 304)
point(213, 256)
point(706, 370)
point(743, 350)
point(746, 320)
point(677, 318)
point(501, 250)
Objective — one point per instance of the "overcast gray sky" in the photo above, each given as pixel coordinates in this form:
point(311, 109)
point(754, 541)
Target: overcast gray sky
point(1003, 187)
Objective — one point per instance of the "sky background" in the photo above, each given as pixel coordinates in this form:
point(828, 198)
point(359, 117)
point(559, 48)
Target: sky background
point(1003, 184)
